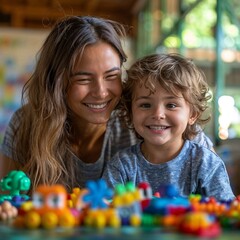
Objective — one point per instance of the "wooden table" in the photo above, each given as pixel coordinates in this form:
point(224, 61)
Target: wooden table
point(123, 233)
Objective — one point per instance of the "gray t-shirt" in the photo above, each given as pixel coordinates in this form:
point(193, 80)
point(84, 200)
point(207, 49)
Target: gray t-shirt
point(117, 137)
point(196, 170)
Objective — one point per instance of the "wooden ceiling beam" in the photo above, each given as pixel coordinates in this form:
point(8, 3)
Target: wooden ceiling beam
point(91, 5)
point(40, 14)
point(19, 13)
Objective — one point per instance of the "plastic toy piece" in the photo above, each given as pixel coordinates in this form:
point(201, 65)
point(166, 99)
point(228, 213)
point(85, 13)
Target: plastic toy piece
point(15, 182)
point(98, 192)
point(164, 206)
point(146, 194)
point(52, 206)
point(168, 190)
point(208, 205)
point(32, 220)
point(231, 217)
point(49, 209)
point(200, 224)
point(127, 201)
point(7, 211)
point(75, 199)
point(126, 195)
point(101, 218)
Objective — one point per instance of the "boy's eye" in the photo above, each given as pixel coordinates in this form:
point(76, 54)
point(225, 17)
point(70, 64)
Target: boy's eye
point(171, 105)
point(145, 105)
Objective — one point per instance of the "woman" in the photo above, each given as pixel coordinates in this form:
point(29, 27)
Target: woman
point(67, 128)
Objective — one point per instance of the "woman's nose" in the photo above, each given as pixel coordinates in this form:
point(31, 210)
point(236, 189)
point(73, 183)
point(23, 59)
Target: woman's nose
point(100, 89)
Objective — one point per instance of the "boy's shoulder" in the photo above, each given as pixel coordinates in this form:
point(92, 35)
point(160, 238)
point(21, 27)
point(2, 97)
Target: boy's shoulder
point(203, 153)
point(195, 146)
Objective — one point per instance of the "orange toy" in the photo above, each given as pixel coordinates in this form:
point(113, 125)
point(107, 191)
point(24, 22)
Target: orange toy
point(49, 209)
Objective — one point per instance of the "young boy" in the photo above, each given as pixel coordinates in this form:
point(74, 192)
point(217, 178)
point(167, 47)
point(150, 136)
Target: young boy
point(164, 99)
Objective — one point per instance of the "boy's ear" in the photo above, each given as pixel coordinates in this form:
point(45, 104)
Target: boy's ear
point(193, 118)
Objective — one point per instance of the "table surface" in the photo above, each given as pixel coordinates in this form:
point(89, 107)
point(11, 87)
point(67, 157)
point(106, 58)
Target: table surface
point(123, 233)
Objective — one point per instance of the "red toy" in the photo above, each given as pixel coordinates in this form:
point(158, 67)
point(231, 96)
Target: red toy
point(200, 224)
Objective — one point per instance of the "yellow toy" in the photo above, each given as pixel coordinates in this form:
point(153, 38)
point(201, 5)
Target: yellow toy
point(127, 202)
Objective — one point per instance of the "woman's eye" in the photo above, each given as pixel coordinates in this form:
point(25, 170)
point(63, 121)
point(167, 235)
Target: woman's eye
point(83, 81)
point(112, 77)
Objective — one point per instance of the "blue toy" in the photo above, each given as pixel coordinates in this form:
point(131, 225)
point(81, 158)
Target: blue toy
point(98, 193)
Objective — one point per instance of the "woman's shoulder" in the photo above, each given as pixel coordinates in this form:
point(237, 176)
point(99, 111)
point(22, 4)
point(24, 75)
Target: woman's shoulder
point(13, 124)
point(119, 131)
point(15, 119)
point(17, 115)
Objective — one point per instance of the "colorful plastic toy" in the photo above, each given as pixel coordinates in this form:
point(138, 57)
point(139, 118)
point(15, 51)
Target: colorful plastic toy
point(230, 218)
point(98, 206)
point(208, 205)
point(98, 214)
point(200, 224)
point(7, 211)
point(101, 218)
point(98, 193)
point(15, 182)
point(75, 199)
point(49, 209)
point(146, 194)
point(164, 206)
point(166, 209)
point(168, 191)
point(127, 201)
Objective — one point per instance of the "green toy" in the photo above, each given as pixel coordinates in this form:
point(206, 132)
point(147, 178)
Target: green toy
point(14, 182)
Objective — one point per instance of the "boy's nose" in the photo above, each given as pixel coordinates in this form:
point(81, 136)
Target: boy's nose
point(159, 113)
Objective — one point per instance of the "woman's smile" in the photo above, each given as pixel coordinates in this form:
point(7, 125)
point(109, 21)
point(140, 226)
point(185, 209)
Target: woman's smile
point(97, 106)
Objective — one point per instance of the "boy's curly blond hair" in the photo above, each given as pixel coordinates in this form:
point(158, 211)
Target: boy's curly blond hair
point(174, 73)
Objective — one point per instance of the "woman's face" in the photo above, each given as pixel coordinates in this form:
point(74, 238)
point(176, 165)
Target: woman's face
point(96, 86)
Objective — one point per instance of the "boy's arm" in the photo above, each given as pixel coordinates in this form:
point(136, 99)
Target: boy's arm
point(218, 184)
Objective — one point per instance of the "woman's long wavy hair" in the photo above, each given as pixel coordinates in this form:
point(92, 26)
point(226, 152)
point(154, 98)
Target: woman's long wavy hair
point(174, 73)
point(42, 138)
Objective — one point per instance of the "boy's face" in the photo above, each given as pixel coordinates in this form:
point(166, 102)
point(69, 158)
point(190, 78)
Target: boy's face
point(160, 118)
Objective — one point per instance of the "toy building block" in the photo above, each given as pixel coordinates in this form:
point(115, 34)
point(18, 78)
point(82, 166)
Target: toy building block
point(15, 182)
point(7, 211)
point(146, 194)
point(49, 209)
point(97, 194)
point(127, 202)
point(200, 224)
